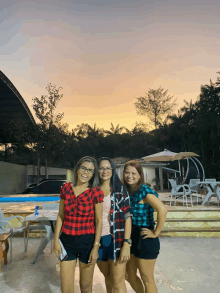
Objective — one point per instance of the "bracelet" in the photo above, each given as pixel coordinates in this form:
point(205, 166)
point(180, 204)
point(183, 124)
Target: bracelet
point(97, 244)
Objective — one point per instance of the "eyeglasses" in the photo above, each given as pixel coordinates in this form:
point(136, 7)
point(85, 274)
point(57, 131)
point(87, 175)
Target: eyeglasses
point(84, 169)
point(101, 169)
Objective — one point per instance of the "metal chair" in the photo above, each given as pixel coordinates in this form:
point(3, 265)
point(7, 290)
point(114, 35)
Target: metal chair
point(41, 227)
point(13, 230)
point(180, 190)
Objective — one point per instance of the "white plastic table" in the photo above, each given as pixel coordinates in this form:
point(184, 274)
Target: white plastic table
point(213, 189)
point(47, 218)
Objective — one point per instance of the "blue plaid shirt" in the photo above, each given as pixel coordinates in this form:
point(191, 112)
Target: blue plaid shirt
point(143, 214)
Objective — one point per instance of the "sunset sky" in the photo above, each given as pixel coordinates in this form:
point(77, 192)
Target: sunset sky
point(106, 53)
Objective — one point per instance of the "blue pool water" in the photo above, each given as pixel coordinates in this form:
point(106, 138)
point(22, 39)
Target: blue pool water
point(27, 199)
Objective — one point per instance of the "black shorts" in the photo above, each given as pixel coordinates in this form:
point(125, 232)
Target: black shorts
point(147, 248)
point(78, 246)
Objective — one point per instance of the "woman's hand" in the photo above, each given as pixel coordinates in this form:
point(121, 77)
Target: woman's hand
point(57, 248)
point(124, 253)
point(94, 254)
point(149, 233)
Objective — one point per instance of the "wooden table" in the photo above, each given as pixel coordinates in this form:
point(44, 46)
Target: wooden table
point(4, 253)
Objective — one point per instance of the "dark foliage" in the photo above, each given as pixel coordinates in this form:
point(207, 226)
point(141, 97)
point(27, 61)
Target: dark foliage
point(195, 128)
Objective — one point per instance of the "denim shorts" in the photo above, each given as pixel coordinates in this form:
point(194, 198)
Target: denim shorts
point(147, 248)
point(106, 250)
point(78, 246)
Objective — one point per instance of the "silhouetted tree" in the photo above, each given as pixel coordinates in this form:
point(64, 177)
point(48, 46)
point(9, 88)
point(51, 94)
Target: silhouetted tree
point(46, 131)
point(157, 104)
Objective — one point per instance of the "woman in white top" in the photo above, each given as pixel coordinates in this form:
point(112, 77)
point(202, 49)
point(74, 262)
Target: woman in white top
point(115, 241)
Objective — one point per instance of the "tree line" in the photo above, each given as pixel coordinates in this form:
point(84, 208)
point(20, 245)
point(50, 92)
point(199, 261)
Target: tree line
point(195, 127)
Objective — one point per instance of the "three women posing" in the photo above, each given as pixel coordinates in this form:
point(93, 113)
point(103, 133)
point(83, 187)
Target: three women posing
point(83, 218)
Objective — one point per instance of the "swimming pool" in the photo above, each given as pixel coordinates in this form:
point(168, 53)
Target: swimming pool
point(28, 199)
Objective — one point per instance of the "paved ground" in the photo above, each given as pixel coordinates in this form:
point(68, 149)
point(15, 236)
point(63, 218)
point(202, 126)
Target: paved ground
point(190, 265)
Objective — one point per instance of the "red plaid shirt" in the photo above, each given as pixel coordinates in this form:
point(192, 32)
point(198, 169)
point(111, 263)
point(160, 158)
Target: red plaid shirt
point(79, 211)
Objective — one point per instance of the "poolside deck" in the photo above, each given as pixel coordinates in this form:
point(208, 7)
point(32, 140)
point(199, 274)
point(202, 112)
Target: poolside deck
point(28, 207)
point(181, 221)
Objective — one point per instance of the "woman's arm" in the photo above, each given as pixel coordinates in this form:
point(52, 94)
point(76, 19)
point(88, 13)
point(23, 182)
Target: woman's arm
point(127, 234)
point(127, 215)
point(98, 222)
point(161, 212)
point(98, 231)
point(125, 250)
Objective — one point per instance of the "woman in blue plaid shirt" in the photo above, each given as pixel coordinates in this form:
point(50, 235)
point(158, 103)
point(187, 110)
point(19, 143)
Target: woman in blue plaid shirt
point(145, 242)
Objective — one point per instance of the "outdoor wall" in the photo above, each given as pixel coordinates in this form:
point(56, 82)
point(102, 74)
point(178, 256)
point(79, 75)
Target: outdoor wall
point(13, 178)
point(149, 175)
point(69, 175)
point(54, 173)
point(32, 170)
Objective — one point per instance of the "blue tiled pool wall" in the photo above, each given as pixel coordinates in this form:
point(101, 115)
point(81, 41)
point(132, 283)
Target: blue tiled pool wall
point(27, 199)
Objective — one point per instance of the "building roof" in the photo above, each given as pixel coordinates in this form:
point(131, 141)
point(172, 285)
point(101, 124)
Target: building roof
point(12, 106)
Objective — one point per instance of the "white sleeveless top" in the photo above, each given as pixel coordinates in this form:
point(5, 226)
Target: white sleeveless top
point(106, 215)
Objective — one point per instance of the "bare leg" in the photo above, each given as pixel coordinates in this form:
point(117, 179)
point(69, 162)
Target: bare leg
point(86, 277)
point(104, 269)
point(117, 274)
point(131, 275)
point(146, 268)
point(67, 274)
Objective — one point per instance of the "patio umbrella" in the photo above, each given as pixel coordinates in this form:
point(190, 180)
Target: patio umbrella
point(168, 156)
point(165, 156)
point(184, 155)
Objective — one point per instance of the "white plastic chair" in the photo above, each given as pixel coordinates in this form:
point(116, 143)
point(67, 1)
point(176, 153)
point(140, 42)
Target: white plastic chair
point(180, 190)
point(194, 185)
point(4, 222)
point(41, 227)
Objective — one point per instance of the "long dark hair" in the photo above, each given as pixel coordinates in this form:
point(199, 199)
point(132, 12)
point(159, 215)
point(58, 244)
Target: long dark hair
point(138, 167)
point(115, 182)
point(94, 181)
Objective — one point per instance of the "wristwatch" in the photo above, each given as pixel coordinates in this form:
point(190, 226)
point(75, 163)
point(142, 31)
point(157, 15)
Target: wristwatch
point(129, 241)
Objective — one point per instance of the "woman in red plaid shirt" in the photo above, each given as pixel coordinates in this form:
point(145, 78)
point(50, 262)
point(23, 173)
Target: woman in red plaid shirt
point(80, 223)
point(114, 251)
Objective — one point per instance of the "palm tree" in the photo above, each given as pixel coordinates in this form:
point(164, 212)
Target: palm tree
point(114, 134)
point(116, 130)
